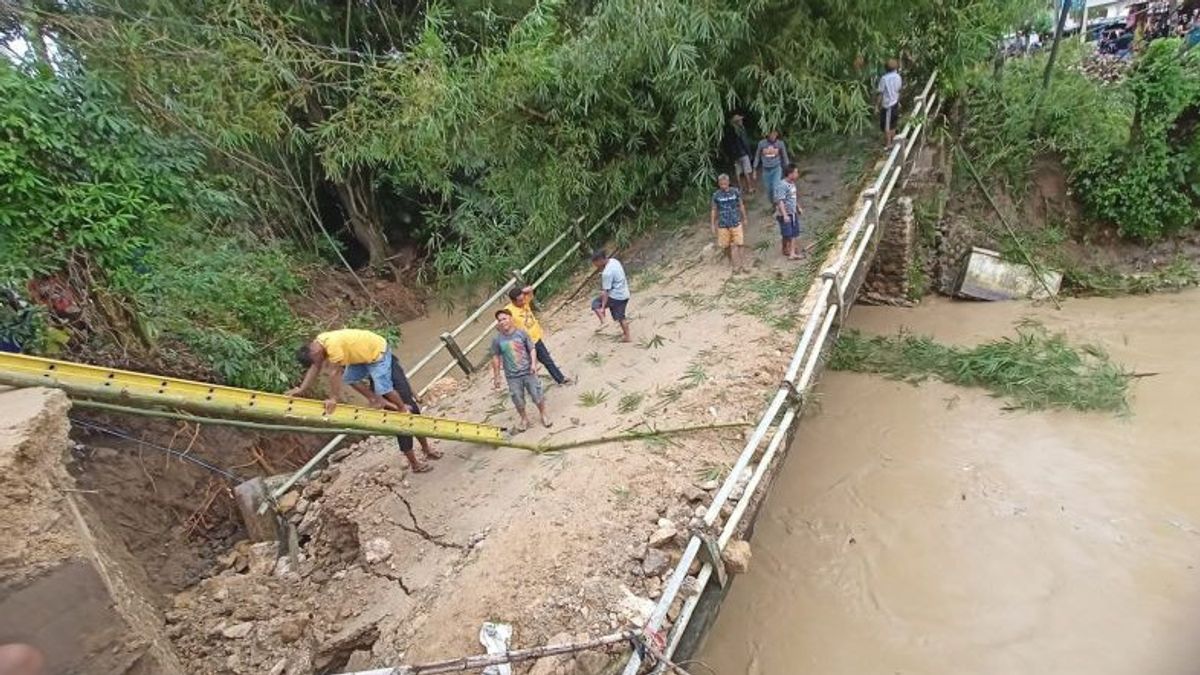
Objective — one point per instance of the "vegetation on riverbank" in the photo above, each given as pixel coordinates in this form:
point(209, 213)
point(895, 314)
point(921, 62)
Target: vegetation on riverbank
point(1034, 370)
point(1131, 148)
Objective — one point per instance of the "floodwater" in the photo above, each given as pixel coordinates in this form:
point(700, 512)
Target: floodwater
point(924, 530)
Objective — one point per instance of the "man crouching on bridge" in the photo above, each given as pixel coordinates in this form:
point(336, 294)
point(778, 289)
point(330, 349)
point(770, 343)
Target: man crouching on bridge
point(357, 355)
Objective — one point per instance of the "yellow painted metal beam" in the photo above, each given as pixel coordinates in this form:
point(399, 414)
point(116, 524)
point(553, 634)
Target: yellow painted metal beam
point(142, 389)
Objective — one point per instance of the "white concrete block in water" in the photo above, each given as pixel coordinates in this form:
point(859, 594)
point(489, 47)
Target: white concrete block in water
point(985, 276)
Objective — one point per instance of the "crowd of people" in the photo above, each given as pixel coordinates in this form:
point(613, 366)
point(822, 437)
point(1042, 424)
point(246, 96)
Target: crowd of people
point(363, 360)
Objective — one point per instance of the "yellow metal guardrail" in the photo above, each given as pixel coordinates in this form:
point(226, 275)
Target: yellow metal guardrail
point(142, 389)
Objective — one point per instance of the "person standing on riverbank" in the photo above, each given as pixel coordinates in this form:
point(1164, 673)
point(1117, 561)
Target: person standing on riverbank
point(513, 351)
point(737, 144)
point(788, 211)
point(614, 291)
point(770, 158)
point(728, 218)
point(888, 104)
point(354, 356)
point(521, 309)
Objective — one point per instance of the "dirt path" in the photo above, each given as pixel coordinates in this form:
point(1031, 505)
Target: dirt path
point(406, 568)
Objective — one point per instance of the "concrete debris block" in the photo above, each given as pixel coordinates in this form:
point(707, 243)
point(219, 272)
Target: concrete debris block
point(279, 667)
point(736, 556)
point(288, 501)
point(692, 493)
point(261, 557)
point(656, 563)
point(986, 276)
point(495, 638)
point(377, 550)
point(313, 490)
point(664, 535)
point(237, 631)
point(709, 485)
point(635, 609)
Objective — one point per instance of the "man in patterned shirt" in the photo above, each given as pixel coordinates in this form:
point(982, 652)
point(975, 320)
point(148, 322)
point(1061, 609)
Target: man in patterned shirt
point(728, 218)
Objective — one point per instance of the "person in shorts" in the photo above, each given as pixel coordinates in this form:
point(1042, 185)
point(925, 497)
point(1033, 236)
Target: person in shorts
point(614, 291)
point(787, 212)
point(513, 351)
point(354, 356)
point(889, 101)
point(728, 218)
point(739, 148)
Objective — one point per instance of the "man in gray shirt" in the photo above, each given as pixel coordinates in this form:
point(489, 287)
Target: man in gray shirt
point(614, 291)
point(771, 155)
point(888, 103)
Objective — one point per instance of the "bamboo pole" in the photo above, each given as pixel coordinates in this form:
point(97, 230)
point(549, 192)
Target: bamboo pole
point(517, 656)
point(638, 435)
point(283, 428)
point(243, 424)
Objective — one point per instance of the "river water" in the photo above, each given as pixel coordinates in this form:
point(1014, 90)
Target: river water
point(925, 530)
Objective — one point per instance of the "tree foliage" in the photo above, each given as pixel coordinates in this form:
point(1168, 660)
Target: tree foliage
point(477, 129)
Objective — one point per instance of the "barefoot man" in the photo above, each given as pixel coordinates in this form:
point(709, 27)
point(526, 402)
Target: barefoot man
point(514, 351)
point(728, 215)
point(614, 291)
point(357, 355)
point(787, 212)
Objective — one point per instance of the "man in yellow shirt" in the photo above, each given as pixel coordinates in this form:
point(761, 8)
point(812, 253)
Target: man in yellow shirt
point(356, 355)
point(521, 309)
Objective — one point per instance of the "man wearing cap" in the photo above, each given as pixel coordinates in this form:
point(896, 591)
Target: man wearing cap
point(737, 144)
point(521, 310)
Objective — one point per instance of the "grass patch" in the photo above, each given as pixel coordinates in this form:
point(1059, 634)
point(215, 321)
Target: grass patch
point(594, 359)
point(1034, 370)
point(774, 299)
point(694, 376)
point(630, 402)
point(591, 399)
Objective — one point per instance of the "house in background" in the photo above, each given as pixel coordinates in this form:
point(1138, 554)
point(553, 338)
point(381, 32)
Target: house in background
point(1099, 11)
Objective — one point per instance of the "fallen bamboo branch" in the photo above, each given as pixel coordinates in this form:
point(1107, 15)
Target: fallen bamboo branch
point(639, 435)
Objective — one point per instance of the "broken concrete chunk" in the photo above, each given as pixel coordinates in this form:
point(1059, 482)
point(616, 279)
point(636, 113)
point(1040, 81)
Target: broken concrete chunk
point(377, 550)
point(656, 563)
point(237, 631)
point(288, 501)
point(736, 556)
point(664, 535)
point(987, 276)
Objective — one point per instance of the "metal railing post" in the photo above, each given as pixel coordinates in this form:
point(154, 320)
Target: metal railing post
point(871, 197)
point(457, 353)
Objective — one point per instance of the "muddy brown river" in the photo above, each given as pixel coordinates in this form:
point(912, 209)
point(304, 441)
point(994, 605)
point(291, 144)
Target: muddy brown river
point(924, 530)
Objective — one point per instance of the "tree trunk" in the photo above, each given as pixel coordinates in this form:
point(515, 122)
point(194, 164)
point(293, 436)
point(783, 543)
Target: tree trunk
point(1058, 31)
point(356, 195)
point(358, 204)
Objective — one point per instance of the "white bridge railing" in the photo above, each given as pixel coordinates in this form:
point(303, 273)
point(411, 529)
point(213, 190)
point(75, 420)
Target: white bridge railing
point(839, 283)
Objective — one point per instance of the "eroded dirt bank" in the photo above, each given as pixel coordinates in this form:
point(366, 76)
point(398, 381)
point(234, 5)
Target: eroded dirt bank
point(926, 530)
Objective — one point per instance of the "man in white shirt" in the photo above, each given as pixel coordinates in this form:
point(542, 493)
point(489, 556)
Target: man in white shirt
point(889, 101)
point(614, 291)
